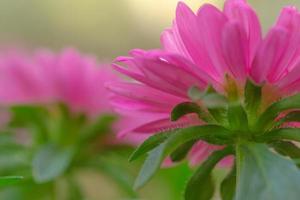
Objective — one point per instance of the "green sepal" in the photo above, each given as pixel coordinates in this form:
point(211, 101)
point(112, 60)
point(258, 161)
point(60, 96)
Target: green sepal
point(228, 185)
point(266, 119)
point(155, 156)
point(181, 152)
point(280, 134)
point(201, 186)
point(187, 108)
point(149, 144)
point(237, 117)
point(252, 99)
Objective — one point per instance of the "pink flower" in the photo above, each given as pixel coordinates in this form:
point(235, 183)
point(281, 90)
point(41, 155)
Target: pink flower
point(203, 49)
point(47, 78)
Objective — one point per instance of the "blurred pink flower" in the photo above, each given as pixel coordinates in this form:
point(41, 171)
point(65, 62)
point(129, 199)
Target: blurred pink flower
point(46, 78)
point(199, 50)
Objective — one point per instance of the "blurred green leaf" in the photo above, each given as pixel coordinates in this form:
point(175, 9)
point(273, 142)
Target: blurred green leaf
point(152, 142)
point(101, 126)
point(201, 186)
point(33, 117)
point(9, 180)
point(50, 162)
point(263, 174)
point(118, 174)
point(74, 190)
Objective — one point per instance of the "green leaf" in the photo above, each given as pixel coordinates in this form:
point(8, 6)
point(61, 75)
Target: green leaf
point(237, 117)
point(201, 186)
point(252, 99)
point(186, 108)
point(181, 152)
point(50, 162)
point(263, 175)
point(287, 149)
point(268, 116)
point(281, 134)
point(149, 144)
point(155, 157)
point(10, 180)
point(228, 185)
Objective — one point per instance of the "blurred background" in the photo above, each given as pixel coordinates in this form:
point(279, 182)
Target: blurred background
point(107, 28)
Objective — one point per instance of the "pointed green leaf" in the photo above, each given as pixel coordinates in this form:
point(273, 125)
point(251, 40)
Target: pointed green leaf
point(237, 117)
point(9, 180)
point(187, 108)
point(50, 162)
point(181, 152)
point(149, 144)
point(264, 175)
point(269, 115)
point(228, 185)
point(281, 134)
point(201, 186)
point(181, 136)
point(252, 98)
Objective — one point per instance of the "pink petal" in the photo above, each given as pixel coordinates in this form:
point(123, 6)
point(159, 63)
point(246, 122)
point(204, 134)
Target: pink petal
point(190, 34)
point(269, 54)
point(240, 12)
point(235, 45)
point(212, 20)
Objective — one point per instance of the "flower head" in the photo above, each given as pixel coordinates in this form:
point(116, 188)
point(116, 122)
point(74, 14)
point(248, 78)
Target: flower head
point(49, 78)
point(221, 50)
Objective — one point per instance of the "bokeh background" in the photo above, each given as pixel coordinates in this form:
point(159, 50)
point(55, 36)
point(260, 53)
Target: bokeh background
point(107, 28)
